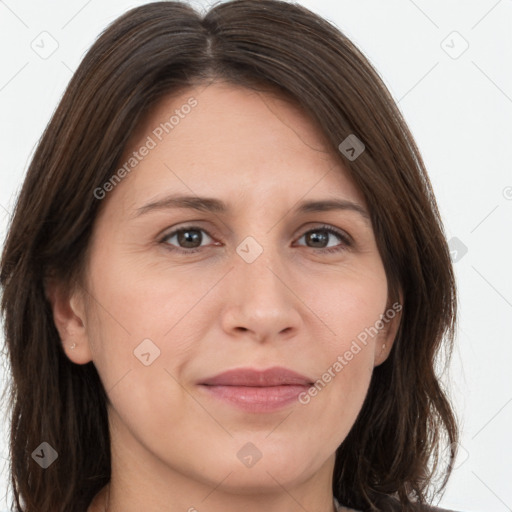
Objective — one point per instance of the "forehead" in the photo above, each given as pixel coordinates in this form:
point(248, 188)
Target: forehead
point(224, 139)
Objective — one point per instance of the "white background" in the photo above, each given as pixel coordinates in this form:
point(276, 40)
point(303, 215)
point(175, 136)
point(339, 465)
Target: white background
point(459, 108)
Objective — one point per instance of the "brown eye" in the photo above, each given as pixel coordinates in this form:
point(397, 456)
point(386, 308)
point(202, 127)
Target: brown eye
point(319, 238)
point(187, 239)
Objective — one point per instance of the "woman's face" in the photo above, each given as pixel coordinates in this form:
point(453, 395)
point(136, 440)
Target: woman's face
point(247, 274)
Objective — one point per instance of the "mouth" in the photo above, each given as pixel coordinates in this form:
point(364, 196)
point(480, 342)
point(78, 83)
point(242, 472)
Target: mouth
point(257, 390)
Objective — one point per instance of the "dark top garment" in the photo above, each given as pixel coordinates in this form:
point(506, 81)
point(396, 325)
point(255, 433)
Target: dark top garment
point(392, 505)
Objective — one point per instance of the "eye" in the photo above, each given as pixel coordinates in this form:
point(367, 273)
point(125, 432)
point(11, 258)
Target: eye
point(319, 237)
point(188, 238)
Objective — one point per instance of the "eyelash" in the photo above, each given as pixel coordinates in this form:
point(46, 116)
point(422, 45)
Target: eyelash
point(346, 242)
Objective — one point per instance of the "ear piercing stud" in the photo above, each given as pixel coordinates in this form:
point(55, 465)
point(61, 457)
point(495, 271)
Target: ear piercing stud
point(73, 346)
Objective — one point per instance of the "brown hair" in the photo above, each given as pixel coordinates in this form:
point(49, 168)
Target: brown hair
point(393, 451)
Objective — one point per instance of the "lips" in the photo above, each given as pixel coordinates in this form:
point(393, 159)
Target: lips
point(276, 376)
point(256, 391)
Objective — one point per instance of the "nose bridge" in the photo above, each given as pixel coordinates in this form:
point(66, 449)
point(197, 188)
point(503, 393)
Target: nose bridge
point(261, 300)
point(259, 266)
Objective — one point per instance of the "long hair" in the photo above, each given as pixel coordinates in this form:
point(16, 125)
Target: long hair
point(396, 447)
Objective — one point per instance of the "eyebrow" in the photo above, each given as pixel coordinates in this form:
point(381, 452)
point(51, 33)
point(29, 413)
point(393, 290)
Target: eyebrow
point(213, 205)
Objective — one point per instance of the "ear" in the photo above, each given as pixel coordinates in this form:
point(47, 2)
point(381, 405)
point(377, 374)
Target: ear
point(386, 337)
point(69, 317)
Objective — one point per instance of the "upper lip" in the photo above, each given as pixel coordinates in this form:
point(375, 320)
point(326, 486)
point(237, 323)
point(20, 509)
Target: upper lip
point(276, 376)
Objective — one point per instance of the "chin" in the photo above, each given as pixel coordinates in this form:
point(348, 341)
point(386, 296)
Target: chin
point(261, 480)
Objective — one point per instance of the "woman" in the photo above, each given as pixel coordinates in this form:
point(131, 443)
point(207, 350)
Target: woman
point(226, 280)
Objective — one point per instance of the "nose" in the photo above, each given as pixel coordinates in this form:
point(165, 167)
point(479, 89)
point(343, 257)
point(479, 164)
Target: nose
point(260, 301)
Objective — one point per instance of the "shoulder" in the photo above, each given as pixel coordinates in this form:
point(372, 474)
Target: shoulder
point(392, 505)
point(431, 508)
point(435, 509)
point(419, 508)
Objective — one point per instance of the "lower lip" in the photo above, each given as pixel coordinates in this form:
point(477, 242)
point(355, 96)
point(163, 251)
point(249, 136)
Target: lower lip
point(257, 399)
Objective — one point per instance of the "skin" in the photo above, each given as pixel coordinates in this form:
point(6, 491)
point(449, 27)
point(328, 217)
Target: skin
point(175, 448)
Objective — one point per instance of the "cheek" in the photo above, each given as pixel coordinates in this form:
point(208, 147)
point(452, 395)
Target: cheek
point(349, 307)
point(131, 326)
point(349, 303)
point(141, 301)
point(144, 314)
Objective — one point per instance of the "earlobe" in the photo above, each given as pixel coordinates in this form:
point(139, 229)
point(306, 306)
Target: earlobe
point(69, 318)
point(386, 339)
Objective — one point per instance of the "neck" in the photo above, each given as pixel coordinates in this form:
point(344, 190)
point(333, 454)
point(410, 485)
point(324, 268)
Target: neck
point(102, 503)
